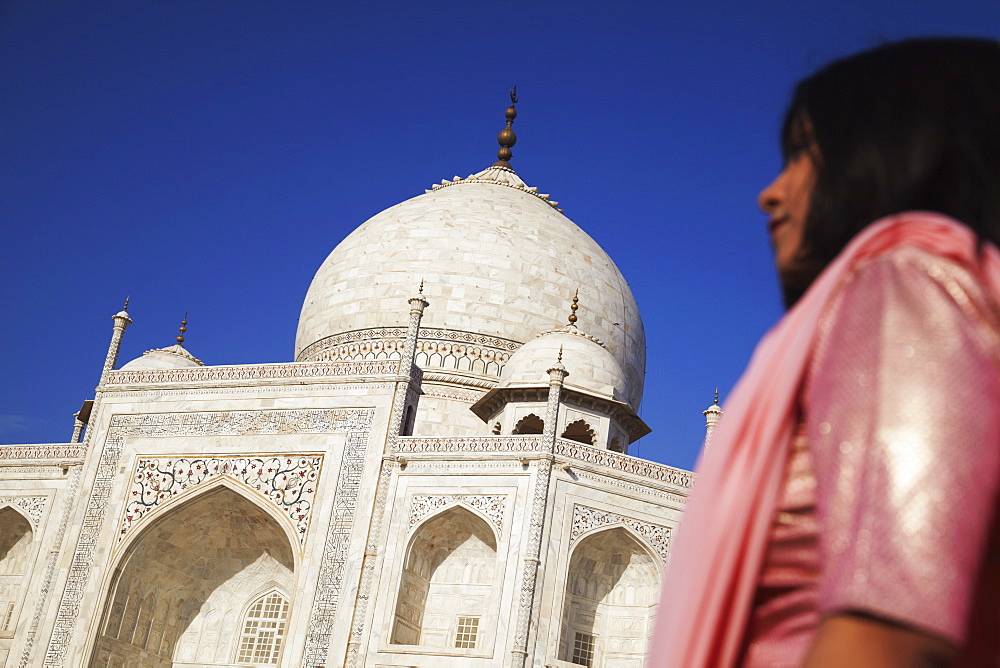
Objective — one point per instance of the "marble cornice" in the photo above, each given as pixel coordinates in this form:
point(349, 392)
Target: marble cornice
point(254, 374)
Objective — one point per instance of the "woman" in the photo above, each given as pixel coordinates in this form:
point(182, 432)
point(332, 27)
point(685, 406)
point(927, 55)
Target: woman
point(844, 514)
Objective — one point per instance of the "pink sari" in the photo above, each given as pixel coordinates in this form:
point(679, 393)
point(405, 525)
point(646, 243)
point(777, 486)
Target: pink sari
point(716, 562)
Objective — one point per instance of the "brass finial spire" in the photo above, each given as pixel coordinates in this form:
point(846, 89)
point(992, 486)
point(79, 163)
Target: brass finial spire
point(507, 138)
point(125, 308)
point(573, 308)
point(716, 402)
point(559, 359)
point(183, 328)
point(420, 290)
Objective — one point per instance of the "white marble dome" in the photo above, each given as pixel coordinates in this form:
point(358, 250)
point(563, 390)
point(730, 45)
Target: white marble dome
point(591, 367)
point(497, 259)
point(171, 357)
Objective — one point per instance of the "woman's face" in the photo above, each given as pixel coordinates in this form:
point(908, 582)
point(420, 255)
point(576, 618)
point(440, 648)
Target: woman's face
point(786, 202)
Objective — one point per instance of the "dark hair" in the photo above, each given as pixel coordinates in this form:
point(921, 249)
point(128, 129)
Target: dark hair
point(911, 125)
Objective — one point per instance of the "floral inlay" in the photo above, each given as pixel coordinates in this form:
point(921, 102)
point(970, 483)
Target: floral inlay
point(287, 482)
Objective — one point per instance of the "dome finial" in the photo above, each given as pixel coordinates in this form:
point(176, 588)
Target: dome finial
point(574, 307)
point(716, 402)
point(183, 328)
point(125, 308)
point(559, 359)
point(507, 138)
point(420, 290)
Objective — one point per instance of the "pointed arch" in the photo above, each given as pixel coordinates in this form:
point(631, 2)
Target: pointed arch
point(178, 580)
point(612, 588)
point(208, 487)
point(529, 424)
point(17, 538)
point(581, 432)
point(445, 592)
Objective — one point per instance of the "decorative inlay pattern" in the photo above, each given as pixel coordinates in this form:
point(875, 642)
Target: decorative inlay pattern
point(287, 482)
point(621, 462)
point(468, 396)
point(642, 489)
point(54, 451)
point(248, 389)
point(243, 373)
point(331, 575)
point(356, 423)
point(435, 348)
point(33, 506)
point(566, 448)
point(490, 505)
point(368, 570)
point(470, 444)
point(586, 519)
point(529, 573)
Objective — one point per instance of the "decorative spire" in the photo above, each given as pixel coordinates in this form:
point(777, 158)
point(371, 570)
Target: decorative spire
point(559, 359)
point(420, 290)
point(573, 308)
point(507, 138)
point(125, 308)
point(712, 415)
point(183, 328)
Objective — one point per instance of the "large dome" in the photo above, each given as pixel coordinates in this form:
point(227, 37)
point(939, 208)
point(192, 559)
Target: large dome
point(498, 262)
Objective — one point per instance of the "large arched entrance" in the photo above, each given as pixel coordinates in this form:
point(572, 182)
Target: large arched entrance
point(208, 584)
point(612, 589)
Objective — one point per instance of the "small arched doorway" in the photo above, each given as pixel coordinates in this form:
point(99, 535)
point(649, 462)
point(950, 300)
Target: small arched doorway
point(612, 589)
point(445, 594)
point(182, 592)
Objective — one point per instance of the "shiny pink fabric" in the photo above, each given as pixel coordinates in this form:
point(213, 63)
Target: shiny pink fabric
point(714, 571)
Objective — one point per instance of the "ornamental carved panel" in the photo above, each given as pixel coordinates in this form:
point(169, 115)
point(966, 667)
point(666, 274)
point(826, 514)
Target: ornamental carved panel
point(586, 519)
point(288, 483)
point(490, 505)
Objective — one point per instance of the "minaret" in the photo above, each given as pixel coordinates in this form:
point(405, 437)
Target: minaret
point(507, 138)
point(712, 415)
point(122, 321)
point(557, 374)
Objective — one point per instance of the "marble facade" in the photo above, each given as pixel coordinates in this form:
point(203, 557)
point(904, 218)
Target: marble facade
point(441, 478)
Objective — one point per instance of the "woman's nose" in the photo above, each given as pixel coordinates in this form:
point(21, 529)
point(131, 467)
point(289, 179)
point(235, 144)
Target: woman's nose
point(770, 197)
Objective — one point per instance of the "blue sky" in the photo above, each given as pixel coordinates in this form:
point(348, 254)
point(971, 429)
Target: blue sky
point(207, 156)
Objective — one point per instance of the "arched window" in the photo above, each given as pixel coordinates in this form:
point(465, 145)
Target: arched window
point(445, 595)
point(612, 589)
point(263, 630)
point(529, 424)
point(580, 431)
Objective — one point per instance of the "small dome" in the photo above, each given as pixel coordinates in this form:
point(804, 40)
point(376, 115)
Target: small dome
point(172, 357)
point(591, 368)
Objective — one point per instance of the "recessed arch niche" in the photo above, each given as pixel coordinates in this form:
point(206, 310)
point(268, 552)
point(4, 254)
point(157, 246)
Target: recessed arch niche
point(612, 589)
point(16, 539)
point(445, 593)
point(182, 588)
